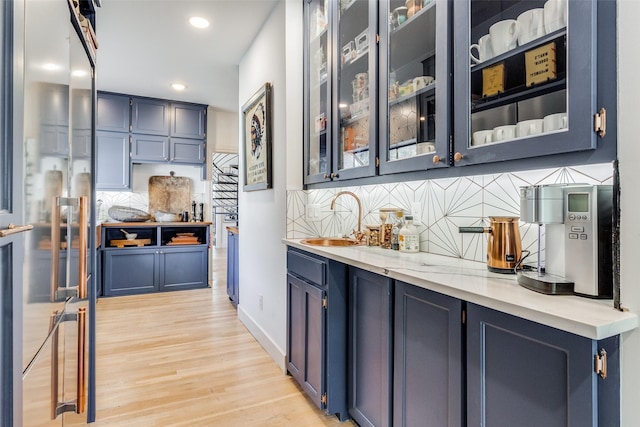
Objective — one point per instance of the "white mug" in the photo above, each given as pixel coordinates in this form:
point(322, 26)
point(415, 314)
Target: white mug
point(502, 133)
point(481, 137)
point(504, 36)
point(528, 128)
point(554, 122)
point(422, 81)
point(555, 15)
point(484, 49)
point(531, 25)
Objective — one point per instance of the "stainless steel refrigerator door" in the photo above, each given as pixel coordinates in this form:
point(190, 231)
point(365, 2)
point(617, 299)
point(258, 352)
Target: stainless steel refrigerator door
point(58, 137)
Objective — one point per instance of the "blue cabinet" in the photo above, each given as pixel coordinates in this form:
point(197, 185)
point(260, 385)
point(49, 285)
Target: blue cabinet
point(307, 318)
point(233, 279)
point(521, 373)
point(316, 329)
point(113, 112)
point(150, 116)
point(188, 121)
point(54, 140)
point(427, 362)
point(149, 148)
point(113, 169)
point(370, 348)
point(156, 265)
point(187, 151)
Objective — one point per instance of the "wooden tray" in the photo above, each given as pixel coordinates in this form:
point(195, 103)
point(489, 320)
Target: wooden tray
point(121, 243)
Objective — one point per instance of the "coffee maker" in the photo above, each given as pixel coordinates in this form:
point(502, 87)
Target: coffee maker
point(544, 205)
point(578, 239)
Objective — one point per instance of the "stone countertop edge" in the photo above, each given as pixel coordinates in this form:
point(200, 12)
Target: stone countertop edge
point(472, 282)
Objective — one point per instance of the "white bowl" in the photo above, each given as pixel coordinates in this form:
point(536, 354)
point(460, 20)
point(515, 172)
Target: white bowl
point(131, 236)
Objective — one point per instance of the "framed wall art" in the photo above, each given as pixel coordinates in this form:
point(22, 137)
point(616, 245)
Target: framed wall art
point(256, 137)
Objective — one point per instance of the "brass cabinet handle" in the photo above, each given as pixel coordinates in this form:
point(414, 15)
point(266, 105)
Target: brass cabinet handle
point(81, 397)
point(436, 159)
point(55, 247)
point(83, 237)
point(458, 156)
point(15, 229)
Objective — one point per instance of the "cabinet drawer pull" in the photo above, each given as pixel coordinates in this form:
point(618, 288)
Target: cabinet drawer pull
point(15, 229)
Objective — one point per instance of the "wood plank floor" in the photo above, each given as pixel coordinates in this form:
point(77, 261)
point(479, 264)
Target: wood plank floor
point(184, 359)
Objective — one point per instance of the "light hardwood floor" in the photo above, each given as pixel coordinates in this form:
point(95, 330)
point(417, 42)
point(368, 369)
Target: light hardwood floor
point(184, 359)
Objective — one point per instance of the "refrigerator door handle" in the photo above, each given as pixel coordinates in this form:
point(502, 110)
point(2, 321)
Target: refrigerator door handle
point(15, 229)
point(54, 364)
point(79, 405)
point(55, 247)
point(81, 395)
point(83, 232)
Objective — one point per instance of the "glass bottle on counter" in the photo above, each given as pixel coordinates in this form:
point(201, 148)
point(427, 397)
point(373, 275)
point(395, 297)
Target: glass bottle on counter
point(395, 231)
point(409, 239)
point(386, 231)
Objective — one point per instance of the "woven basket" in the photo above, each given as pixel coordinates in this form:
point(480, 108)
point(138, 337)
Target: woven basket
point(124, 213)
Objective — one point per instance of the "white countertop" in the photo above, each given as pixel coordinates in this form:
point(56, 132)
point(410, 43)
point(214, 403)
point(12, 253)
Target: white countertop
point(472, 282)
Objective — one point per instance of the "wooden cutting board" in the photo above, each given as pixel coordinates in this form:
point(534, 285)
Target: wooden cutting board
point(169, 194)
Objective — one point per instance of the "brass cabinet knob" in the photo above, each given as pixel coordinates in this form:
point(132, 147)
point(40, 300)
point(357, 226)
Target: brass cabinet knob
point(458, 156)
point(335, 175)
point(326, 176)
point(436, 159)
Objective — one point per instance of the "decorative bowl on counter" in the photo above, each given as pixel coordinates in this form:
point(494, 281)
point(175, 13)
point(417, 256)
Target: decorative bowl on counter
point(167, 217)
point(127, 214)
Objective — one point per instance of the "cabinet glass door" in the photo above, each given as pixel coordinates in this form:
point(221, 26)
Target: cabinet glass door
point(317, 140)
point(517, 66)
point(354, 93)
point(416, 75)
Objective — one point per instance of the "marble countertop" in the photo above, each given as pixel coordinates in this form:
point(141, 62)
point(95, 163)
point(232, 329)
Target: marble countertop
point(472, 282)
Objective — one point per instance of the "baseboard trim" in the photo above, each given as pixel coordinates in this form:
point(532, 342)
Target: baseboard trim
point(263, 338)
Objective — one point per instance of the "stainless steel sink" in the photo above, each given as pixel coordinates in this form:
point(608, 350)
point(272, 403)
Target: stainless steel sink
point(330, 241)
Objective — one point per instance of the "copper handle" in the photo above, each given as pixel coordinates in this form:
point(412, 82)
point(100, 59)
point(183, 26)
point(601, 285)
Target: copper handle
point(81, 397)
point(458, 156)
point(15, 229)
point(436, 159)
point(54, 364)
point(55, 247)
point(83, 234)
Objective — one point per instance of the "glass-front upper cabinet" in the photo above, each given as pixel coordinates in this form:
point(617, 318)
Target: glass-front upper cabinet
point(318, 89)
point(525, 79)
point(414, 85)
point(354, 89)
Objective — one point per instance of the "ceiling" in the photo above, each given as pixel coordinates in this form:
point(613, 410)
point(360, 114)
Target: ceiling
point(145, 45)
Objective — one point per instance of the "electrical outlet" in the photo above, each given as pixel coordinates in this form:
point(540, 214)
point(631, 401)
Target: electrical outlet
point(313, 212)
point(260, 301)
point(416, 211)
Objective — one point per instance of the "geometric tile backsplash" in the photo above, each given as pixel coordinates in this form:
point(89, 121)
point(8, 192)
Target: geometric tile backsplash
point(445, 204)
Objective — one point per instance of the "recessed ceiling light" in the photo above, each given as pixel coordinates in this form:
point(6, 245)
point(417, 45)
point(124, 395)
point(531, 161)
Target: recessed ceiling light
point(199, 22)
point(178, 86)
point(50, 66)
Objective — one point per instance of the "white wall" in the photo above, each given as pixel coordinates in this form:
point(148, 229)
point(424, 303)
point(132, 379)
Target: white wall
point(262, 214)
point(629, 153)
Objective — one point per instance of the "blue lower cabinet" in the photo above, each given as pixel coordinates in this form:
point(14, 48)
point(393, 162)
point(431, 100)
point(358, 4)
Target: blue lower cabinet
point(183, 268)
point(427, 363)
point(316, 329)
point(306, 315)
point(130, 271)
point(233, 280)
point(521, 373)
point(370, 348)
point(137, 271)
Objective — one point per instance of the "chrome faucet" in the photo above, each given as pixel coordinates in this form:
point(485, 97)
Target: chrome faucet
point(358, 233)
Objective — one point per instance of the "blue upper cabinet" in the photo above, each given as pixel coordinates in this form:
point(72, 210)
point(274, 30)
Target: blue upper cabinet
point(114, 112)
point(150, 116)
point(531, 78)
point(188, 120)
point(186, 150)
point(414, 85)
